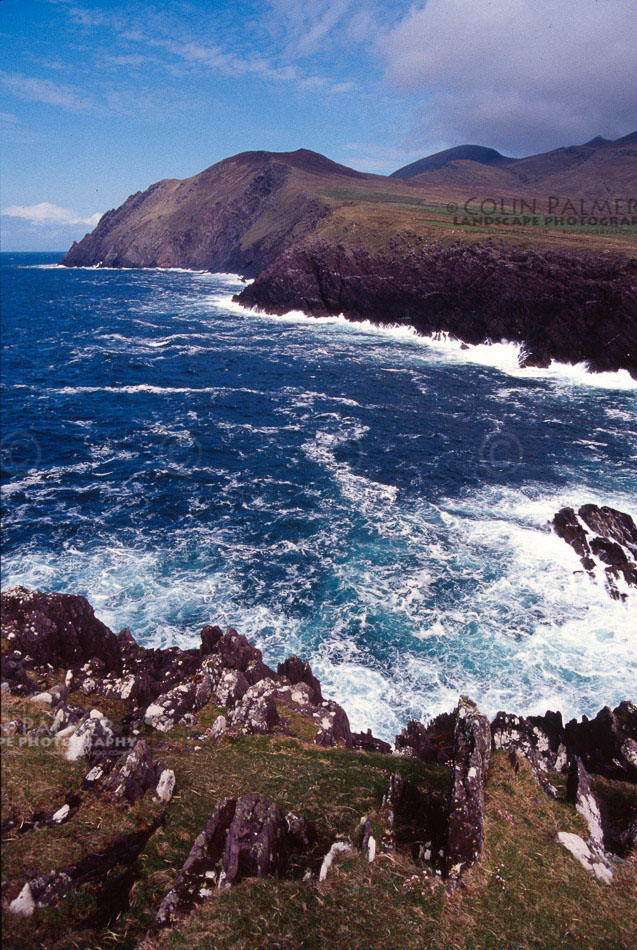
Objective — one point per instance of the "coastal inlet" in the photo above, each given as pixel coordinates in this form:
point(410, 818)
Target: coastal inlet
point(375, 502)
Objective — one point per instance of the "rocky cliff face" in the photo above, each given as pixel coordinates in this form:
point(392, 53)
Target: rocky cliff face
point(560, 305)
point(235, 216)
point(326, 239)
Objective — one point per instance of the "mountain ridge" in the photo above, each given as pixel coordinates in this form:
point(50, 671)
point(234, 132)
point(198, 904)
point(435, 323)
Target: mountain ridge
point(324, 238)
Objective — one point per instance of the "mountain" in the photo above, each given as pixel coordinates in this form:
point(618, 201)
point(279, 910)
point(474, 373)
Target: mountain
point(326, 239)
point(598, 169)
point(469, 153)
point(236, 215)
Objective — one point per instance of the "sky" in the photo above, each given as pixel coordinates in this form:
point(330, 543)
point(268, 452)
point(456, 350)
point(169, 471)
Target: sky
point(99, 100)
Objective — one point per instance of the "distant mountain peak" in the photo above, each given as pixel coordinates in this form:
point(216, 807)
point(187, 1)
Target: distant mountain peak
point(466, 153)
point(597, 141)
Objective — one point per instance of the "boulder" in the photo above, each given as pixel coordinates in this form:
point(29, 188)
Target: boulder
point(95, 735)
point(297, 671)
point(133, 776)
point(231, 687)
point(257, 843)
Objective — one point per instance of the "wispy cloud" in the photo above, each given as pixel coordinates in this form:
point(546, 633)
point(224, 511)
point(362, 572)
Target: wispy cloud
point(45, 91)
point(45, 214)
point(139, 39)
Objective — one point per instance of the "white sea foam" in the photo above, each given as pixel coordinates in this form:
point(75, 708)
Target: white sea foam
point(504, 356)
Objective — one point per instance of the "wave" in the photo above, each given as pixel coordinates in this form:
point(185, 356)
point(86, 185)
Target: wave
point(504, 356)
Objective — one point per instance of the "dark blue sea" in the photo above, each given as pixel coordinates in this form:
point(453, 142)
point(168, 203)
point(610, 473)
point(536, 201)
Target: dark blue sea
point(376, 502)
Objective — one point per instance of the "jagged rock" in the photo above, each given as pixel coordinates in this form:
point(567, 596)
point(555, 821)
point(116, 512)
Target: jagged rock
point(130, 779)
point(472, 750)
point(430, 743)
point(612, 547)
point(297, 671)
point(197, 876)
point(231, 688)
point(579, 791)
point(369, 743)
point(257, 843)
point(95, 735)
point(60, 629)
point(250, 838)
point(166, 711)
point(210, 637)
point(610, 523)
point(334, 728)
point(587, 856)
point(257, 712)
point(540, 739)
point(237, 653)
point(606, 744)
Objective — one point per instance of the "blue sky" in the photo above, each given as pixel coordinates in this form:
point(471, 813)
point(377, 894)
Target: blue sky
point(100, 99)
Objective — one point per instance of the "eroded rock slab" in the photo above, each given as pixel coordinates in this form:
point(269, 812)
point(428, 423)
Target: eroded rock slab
point(472, 750)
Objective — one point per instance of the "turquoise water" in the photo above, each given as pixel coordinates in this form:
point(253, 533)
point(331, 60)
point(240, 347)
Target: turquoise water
point(372, 501)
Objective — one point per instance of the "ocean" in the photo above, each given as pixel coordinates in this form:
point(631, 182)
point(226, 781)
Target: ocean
point(376, 502)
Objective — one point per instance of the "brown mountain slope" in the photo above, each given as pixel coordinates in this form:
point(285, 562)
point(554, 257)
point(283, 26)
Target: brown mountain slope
point(234, 216)
point(596, 170)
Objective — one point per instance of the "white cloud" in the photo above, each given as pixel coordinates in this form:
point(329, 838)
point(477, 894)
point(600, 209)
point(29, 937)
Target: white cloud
point(509, 72)
point(45, 214)
point(44, 90)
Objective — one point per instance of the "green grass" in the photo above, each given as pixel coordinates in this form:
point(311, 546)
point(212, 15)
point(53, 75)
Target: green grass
point(528, 892)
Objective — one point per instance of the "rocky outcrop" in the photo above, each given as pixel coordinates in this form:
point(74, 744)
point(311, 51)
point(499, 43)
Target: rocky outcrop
point(60, 629)
point(433, 742)
point(472, 750)
point(245, 837)
point(605, 541)
point(607, 744)
point(558, 304)
point(297, 671)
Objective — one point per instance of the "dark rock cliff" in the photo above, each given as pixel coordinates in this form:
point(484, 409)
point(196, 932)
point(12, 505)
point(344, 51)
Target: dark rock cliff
point(561, 305)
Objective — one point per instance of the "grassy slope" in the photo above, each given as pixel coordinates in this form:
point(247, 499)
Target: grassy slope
point(545, 900)
point(370, 210)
